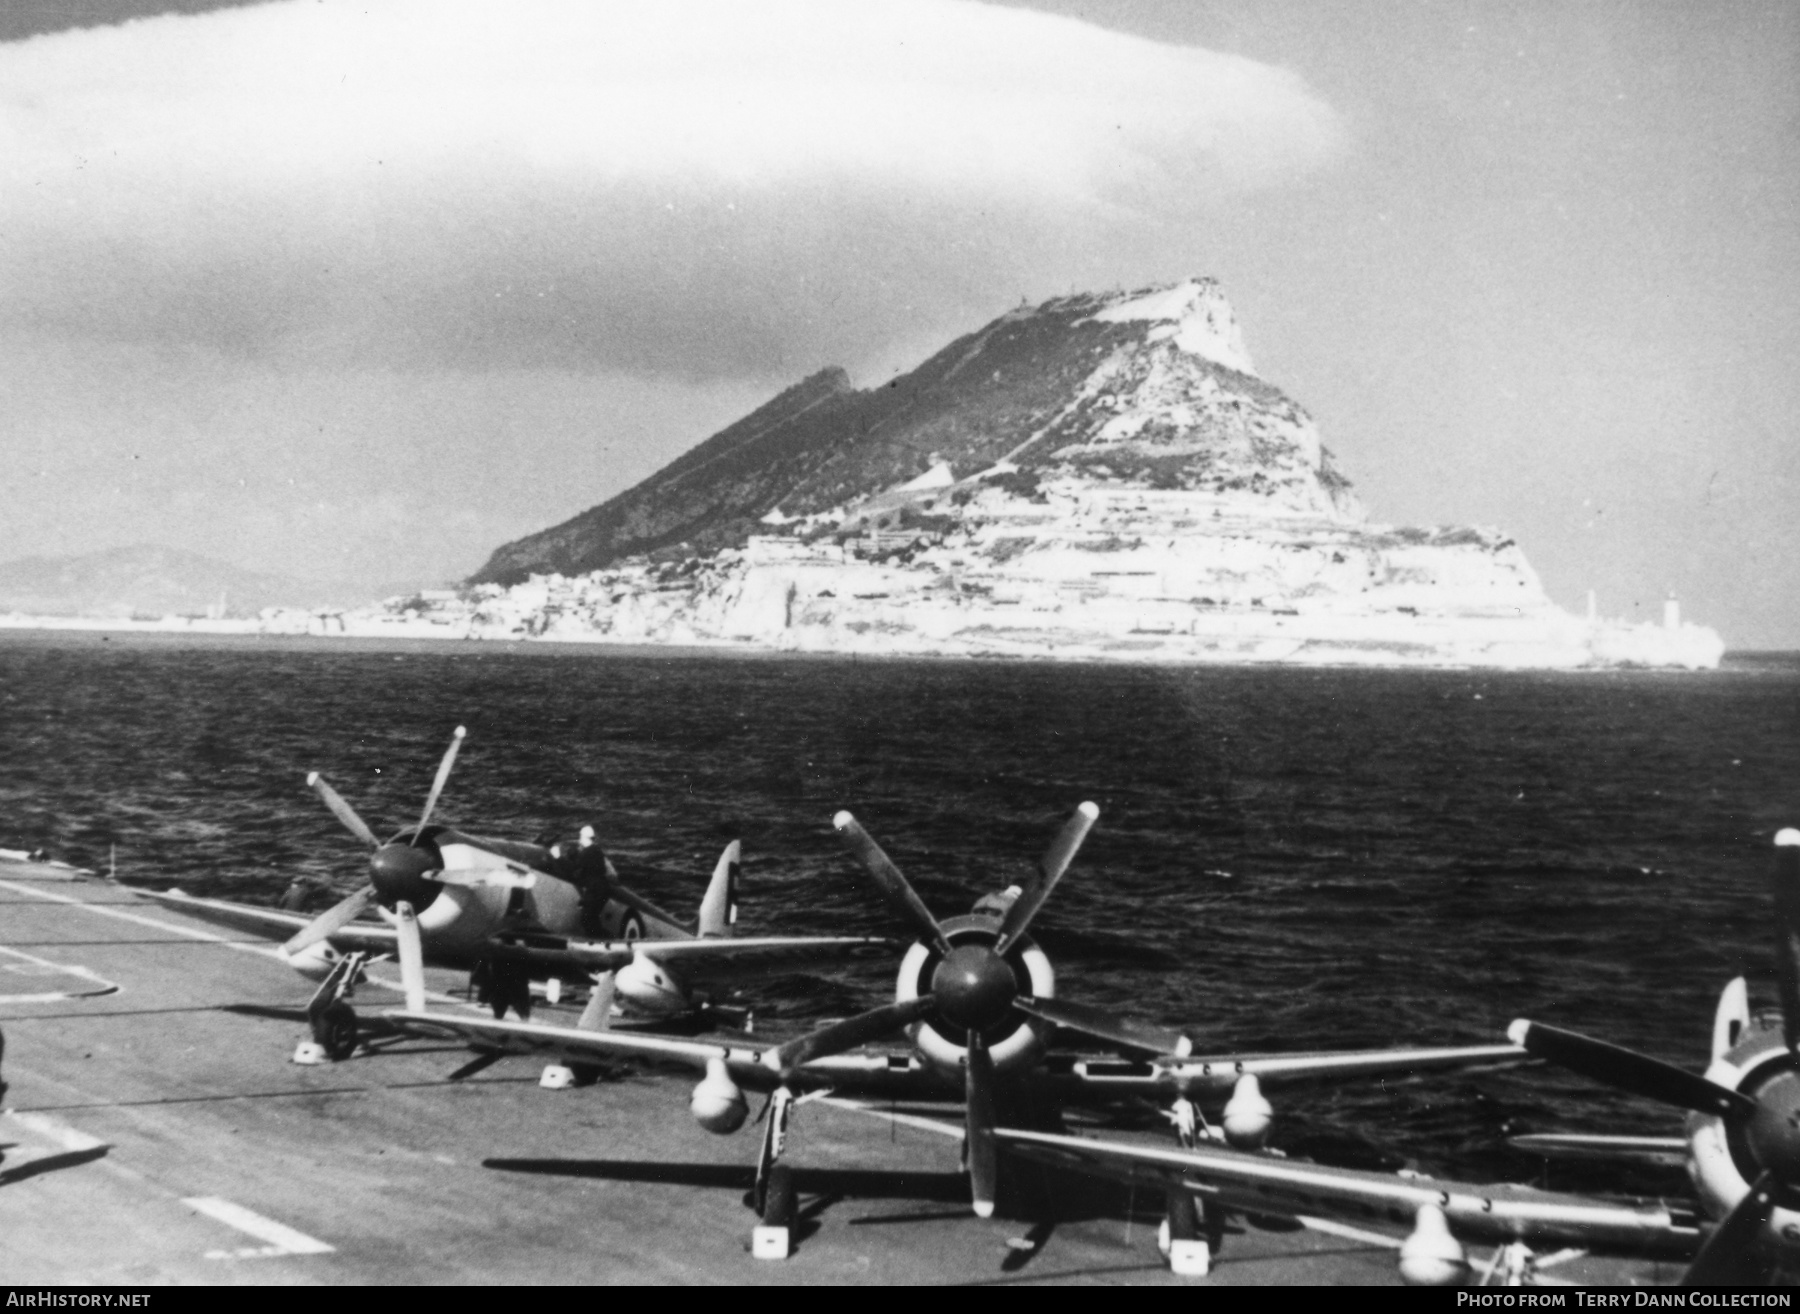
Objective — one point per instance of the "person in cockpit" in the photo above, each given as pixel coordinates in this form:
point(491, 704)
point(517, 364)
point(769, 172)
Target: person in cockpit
point(584, 867)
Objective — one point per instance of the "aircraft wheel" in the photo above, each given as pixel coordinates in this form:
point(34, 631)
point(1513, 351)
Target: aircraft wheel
point(335, 1029)
point(780, 1203)
point(1183, 1225)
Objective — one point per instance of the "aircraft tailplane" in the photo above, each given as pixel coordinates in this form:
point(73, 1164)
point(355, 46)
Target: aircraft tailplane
point(718, 910)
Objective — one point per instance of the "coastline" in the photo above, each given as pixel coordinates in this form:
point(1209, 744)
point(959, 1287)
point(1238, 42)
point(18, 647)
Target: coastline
point(249, 634)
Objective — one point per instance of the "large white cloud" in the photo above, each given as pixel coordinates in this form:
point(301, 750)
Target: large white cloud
point(698, 187)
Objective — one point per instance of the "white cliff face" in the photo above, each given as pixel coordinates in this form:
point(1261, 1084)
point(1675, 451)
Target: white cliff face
point(1194, 316)
point(1165, 505)
point(1074, 573)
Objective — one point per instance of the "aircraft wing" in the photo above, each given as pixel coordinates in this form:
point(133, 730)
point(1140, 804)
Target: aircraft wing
point(1661, 1151)
point(683, 952)
point(1285, 1068)
point(896, 1076)
point(1216, 1076)
point(573, 1044)
point(1261, 1183)
point(695, 960)
point(272, 923)
point(725, 956)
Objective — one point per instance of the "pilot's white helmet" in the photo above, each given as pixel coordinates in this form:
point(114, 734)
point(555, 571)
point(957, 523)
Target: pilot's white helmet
point(587, 837)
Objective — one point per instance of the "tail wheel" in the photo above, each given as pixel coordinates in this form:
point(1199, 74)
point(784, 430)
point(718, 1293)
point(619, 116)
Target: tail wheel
point(335, 1029)
point(631, 928)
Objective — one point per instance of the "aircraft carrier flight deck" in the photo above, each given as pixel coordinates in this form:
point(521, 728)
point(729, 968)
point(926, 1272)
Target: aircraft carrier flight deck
point(157, 1132)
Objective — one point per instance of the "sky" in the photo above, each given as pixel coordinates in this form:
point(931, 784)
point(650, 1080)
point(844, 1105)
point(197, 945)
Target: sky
point(362, 290)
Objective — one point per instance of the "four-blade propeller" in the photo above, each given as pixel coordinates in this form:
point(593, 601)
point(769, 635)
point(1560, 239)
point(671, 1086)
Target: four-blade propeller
point(973, 987)
point(399, 872)
point(1768, 1118)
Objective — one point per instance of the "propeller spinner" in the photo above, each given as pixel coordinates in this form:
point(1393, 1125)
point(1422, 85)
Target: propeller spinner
point(1760, 1112)
point(407, 870)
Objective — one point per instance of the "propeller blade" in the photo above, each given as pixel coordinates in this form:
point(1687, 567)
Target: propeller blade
point(472, 878)
point(888, 877)
point(847, 1034)
point(412, 956)
point(1787, 932)
point(978, 1128)
point(1629, 1071)
point(437, 785)
point(1055, 862)
point(342, 810)
point(1722, 1259)
point(332, 920)
point(1104, 1024)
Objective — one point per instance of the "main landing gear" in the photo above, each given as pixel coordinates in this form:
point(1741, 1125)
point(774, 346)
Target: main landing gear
point(1191, 1231)
point(335, 1032)
point(773, 1194)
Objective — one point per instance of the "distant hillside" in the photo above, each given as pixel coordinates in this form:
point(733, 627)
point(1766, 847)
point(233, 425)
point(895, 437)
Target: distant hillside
point(1022, 389)
point(153, 581)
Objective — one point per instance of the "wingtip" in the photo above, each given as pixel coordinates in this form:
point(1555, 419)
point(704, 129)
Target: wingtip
point(460, 732)
point(1520, 1028)
point(312, 779)
point(1090, 810)
point(843, 821)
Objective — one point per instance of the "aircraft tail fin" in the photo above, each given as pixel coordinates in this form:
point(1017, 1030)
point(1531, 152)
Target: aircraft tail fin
point(1732, 1017)
point(718, 910)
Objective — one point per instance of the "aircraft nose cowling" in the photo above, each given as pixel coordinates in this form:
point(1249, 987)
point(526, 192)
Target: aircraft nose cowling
point(398, 871)
point(974, 987)
point(1774, 1130)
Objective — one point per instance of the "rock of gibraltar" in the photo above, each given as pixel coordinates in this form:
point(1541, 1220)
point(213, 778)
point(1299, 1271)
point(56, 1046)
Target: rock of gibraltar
point(1098, 477)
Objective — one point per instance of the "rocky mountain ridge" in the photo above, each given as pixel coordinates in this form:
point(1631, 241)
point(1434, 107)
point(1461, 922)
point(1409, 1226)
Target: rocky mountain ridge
point(1152, 387)
point(1100, 476)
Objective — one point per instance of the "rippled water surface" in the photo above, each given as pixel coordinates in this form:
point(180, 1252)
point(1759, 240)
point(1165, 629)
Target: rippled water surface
point(1284, 859)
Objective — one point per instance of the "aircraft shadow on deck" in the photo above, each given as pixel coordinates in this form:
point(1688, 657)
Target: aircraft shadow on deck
point(268, 1011)
point(841, 1182)
point(51, 1163)
point(1066, 1197)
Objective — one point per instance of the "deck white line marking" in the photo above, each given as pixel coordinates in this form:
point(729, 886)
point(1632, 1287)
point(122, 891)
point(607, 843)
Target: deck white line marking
point(35, 966)
point(259, 949)
point(279, 1238)
point(54, 1129)
point(1349, 1233)
point(99, 911)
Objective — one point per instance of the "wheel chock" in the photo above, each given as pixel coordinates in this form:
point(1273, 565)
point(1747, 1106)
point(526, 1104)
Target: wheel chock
point(557, 1076)
point(768, 1242)
point(774, 1236)
point(1190, 1258)
point(309, 1053)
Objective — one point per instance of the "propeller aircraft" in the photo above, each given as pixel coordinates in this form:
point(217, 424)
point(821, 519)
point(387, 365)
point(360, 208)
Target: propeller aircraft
point(1743, 1125)
point(1742, 1150)
point(510, 912)
point(977, 998)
